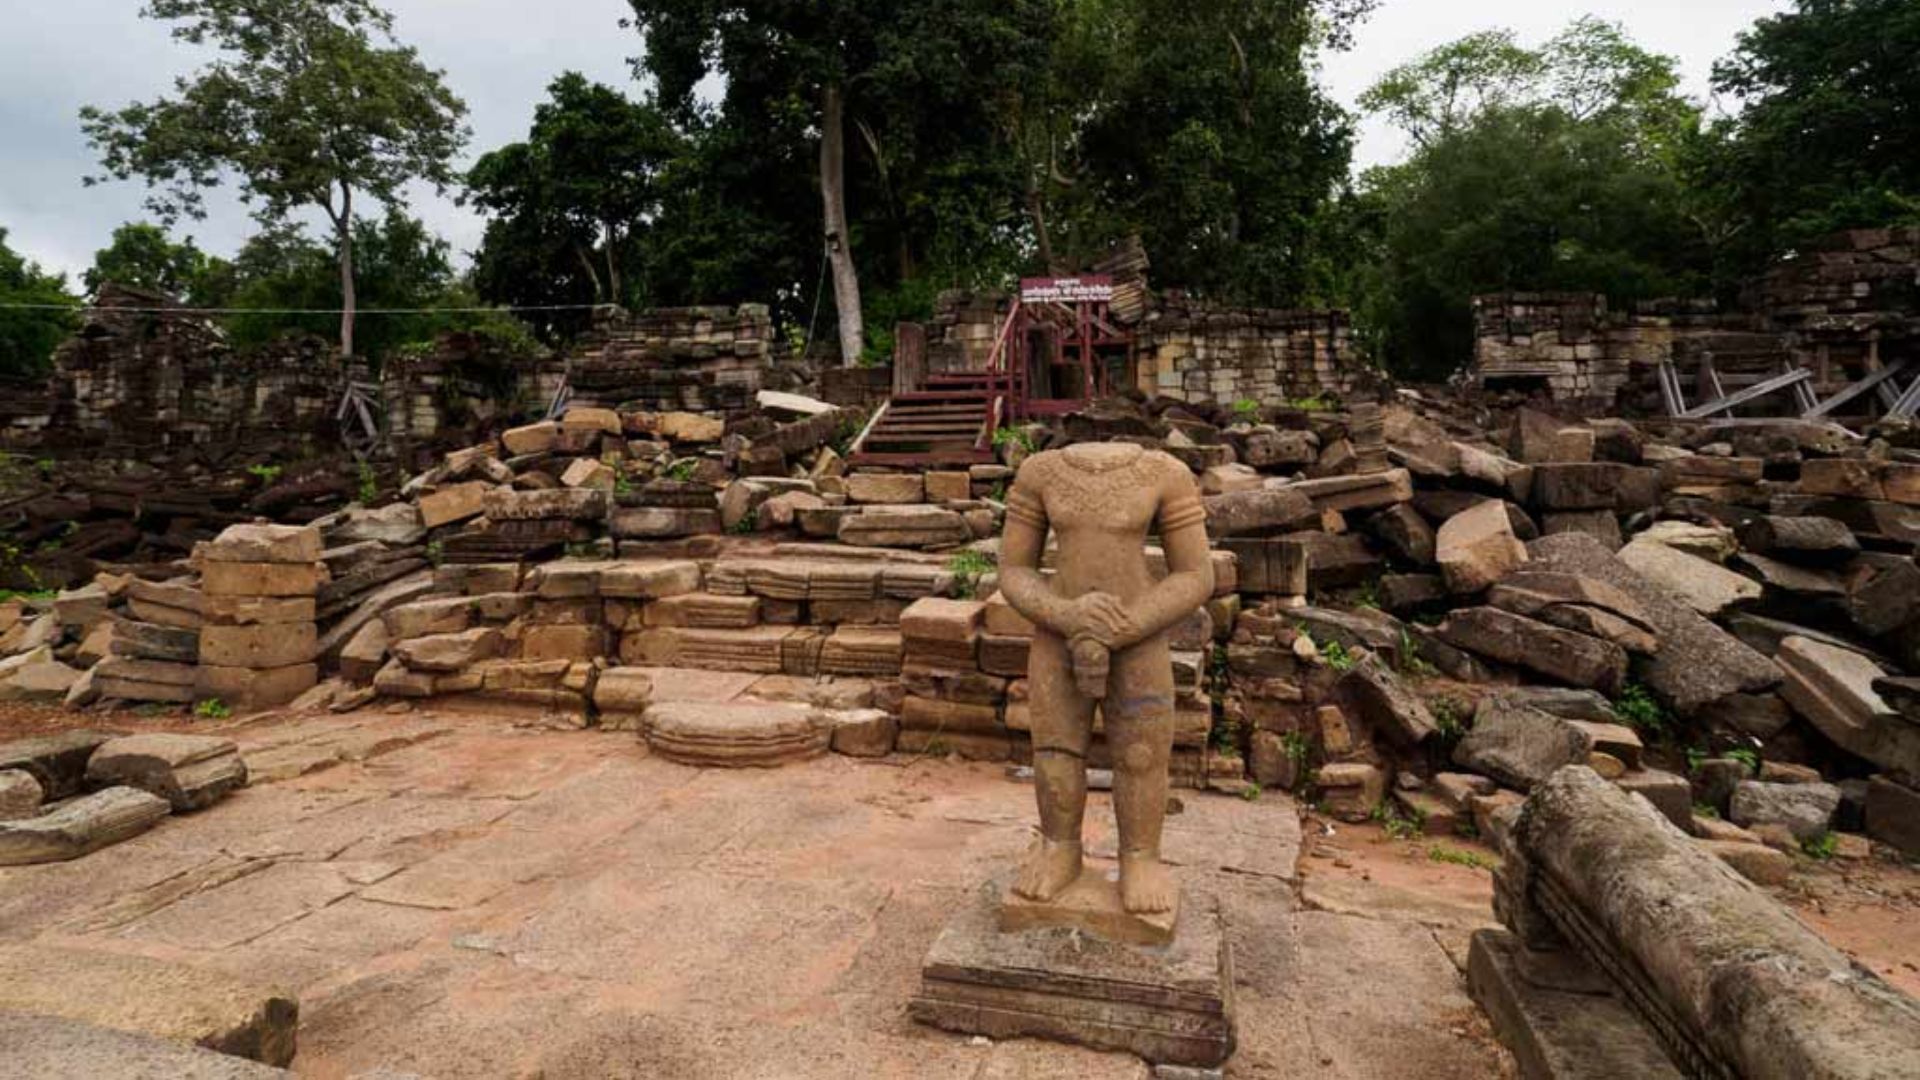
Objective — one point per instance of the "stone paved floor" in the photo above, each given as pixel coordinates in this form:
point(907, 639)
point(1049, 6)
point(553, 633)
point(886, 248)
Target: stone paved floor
point(452, 896)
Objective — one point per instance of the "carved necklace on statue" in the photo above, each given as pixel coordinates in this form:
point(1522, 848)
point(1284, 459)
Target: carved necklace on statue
point(1108, 476)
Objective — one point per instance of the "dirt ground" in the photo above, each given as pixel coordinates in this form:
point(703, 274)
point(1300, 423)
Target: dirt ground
point(458, 896)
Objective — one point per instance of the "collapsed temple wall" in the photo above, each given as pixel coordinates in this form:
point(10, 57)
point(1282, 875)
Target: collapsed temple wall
point(1842, 309)
point(1182, 348)
point(1223, 355)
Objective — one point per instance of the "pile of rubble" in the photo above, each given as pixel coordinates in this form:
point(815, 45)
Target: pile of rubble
point(1423, 609)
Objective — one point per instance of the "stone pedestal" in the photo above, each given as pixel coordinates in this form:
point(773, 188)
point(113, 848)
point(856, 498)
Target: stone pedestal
point(1170, 1004)
point(1090, 905)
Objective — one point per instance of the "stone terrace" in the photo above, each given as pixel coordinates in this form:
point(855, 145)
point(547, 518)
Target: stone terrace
point(454, 897)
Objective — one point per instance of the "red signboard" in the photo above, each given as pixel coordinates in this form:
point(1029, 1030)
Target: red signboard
point(1090, 289)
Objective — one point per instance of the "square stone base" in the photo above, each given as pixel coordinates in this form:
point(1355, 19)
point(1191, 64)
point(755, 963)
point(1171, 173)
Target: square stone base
point(1171, 1005)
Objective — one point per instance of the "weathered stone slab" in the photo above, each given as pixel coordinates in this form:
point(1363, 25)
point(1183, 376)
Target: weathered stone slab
point(905, 526)
point(1698, 663)
point(1706, 587)
point(1806, 810)
point(1257, 510)
point(80, 827)
point(1893, 815)
point(453, 504)
point(153, 641)
point(1519, 745)
point(1595, 486)
point(1563, 655)
point(1387, 703)
point(556, 504)
point(50, 1046)
point(58, 762)
point(1834, 689)
point(191, 772)
point(1171, 1006)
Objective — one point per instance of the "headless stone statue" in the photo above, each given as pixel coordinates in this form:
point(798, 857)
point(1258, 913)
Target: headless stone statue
point(1102, 638)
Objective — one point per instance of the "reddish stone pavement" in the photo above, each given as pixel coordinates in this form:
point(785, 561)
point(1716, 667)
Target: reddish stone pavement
point(457, 896)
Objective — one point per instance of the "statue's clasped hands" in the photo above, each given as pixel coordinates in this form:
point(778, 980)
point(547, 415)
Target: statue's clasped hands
point(1100, 616)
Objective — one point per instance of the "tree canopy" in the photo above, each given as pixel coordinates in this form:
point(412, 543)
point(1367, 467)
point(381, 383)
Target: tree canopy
point(1551, 168)
point(31, 324)
point(309, 103)
point(143, 255)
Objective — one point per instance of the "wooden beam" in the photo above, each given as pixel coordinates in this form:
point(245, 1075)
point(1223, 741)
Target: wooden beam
point(1857, 389)
point(1751, 393)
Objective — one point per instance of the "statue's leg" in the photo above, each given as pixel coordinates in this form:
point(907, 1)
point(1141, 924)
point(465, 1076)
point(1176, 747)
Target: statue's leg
point(1062, 723)
point(1139, 724)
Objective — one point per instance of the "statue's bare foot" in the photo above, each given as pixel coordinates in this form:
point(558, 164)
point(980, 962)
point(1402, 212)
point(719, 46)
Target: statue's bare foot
point(1146, 886)
point(1050, 867)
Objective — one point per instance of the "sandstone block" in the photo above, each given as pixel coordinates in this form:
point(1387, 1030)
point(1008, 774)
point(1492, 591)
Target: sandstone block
point(1476, 548)
point(437, 615)
point(259, 646)
point(447, 653)
point(949, 487)
point(556, 504)
point(260, 610)
point(255, 688)
point(886, 488)
point(649, 580)
point(264, 544)
point(261, 578)
point(865, 733)
point(938, 619)
point(454, 504)
point(532, 439)
point(1352, 790)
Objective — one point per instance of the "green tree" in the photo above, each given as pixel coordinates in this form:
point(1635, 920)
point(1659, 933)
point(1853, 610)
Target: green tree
point(310, 103)
point(892, 108)
point(141, 254)
point(1828, 133)
point(1198, 125)
point(401, 265)
point(581, 188)
point(1557, 168)
point(28, 335)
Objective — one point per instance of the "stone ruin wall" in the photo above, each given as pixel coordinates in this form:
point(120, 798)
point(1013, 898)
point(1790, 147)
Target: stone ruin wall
point(1842, 309)
point(1223, 355)
point(137, 381)
point(1184, 349)
point(692, 359)
point(142, 381)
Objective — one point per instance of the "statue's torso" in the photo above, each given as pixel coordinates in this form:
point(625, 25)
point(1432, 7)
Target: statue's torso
point(1101, 501)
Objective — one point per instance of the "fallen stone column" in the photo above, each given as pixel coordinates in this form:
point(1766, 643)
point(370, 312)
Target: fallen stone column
point(1731, 981)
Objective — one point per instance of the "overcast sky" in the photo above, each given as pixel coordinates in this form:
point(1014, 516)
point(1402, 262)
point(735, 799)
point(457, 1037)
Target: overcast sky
point(499, 55)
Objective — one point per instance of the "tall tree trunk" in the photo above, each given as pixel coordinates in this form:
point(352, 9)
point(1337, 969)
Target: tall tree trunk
point(613, 265)
point(833, 191)
point(343, 225)
point(1037, 210)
